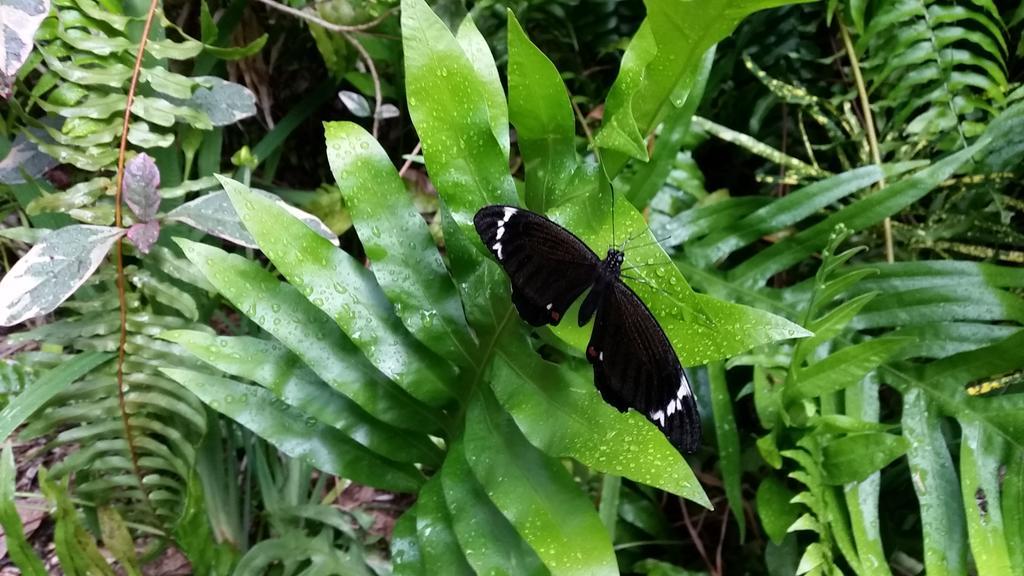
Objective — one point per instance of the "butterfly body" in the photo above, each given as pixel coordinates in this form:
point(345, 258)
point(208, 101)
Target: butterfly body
point(634, 363)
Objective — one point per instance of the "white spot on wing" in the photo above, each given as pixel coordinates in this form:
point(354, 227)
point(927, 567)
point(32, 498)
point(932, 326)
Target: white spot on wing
point(601, 356)
point(501, 232)
point(684, 388)
point(548, 307)
point(660, 417)
point(497, 248)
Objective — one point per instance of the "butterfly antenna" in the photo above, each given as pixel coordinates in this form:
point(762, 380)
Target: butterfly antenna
point(637, 266)
point(626, 242)
point(649, 285)
point(655, 241)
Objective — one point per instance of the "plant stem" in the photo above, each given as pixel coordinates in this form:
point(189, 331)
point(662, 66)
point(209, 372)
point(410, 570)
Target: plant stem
point(121, 299)
point(869, 128)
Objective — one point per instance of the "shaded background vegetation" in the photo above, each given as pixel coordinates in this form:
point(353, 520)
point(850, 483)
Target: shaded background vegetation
point(890, 442)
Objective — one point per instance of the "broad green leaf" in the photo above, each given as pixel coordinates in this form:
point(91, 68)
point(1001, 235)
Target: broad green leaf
point(649, 178)
point(483, 287)
point(213, 213)
point(406, 558)
point(855, 457)
point(660, 64)
point(728, 441)
point(778, 215)
point(701, 328)
point(639, 509)
point(935, 483)
point(981, 455)
point(342, 287)
point(279, 309)
point(282, 373)
point(439, 547)
point(545, 126)
point(705, 218)
point(535, 493)
point(475, 47)
point(45, 387)
point(948, 338)
point(945, 380)
point(562, 413)
point(775, 508)
point(958, 301)
point(490, 544)
point(52, 270)
point(843, 368)
point(18, 548)
point(404, 257)
point(864, 213)
point(448, 106)
point(297, 434)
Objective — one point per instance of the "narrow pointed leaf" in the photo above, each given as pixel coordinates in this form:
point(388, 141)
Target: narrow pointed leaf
point(405, 260)
point(283, 373)
point(866, 212)
point(297, 434)
point(439, 548)
point(339, 285)
point(934, 476)
point(545, 126)
point(280, 310)
point(49, 384)
point(536, 494)
point(489, 542)
point(562, 413)
point(854, 457)
point(843, 368)
point(18, 548)
point(981, 456)
point(478, 52)
point(448, 106)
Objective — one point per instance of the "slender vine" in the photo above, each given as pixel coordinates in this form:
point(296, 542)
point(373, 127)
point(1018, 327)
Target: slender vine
point(869, 128)
point(121, 298)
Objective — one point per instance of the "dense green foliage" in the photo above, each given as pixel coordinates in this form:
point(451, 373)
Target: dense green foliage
point(825, 202)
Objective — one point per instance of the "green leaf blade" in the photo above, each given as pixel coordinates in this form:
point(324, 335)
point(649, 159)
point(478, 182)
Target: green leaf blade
point(536, 494)
point(343, 288)
point(406, 262)
point(296, 434)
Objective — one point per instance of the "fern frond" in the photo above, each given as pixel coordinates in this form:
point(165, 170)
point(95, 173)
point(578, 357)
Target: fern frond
point(936, 70)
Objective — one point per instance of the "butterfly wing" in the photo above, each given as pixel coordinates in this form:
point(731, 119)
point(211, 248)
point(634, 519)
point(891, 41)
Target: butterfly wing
point(636, 367)
point(549, 266)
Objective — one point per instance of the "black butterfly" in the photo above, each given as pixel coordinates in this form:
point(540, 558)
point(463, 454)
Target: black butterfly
point(634, 363)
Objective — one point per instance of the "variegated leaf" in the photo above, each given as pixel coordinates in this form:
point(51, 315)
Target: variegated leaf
point(52, 270)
